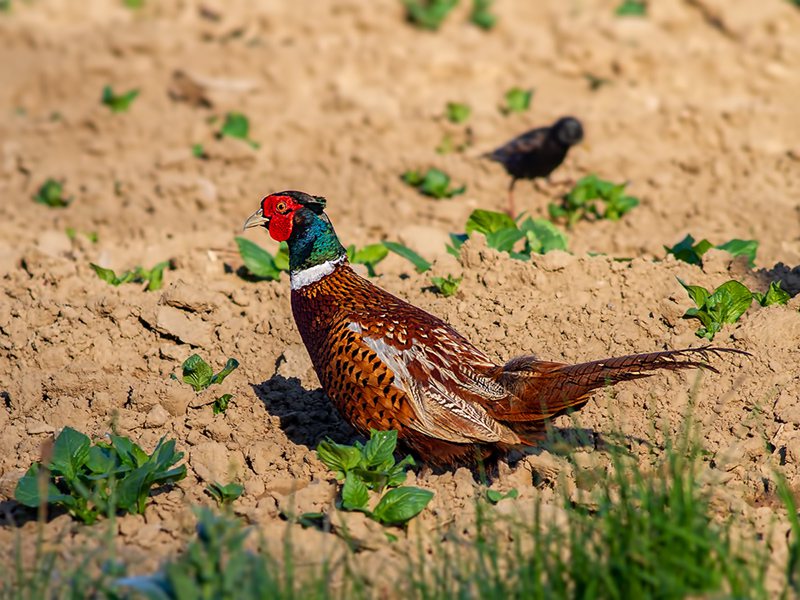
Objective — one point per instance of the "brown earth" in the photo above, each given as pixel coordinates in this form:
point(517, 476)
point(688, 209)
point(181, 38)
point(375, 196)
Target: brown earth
point(700, 116)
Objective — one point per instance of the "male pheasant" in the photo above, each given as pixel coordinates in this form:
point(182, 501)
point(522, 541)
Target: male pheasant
point(537, 153)
point(387, 364)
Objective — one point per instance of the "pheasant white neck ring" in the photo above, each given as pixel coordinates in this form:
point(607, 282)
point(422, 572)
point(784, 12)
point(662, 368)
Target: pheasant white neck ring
point(304, 277)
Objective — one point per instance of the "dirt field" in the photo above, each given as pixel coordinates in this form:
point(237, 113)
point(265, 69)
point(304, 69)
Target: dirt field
point(700, 115)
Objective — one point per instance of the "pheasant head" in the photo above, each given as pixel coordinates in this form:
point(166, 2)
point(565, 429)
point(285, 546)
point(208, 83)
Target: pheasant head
point(299, 220)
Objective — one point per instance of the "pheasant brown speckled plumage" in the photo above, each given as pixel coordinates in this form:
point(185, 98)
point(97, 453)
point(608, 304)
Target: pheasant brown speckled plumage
point(387, 364)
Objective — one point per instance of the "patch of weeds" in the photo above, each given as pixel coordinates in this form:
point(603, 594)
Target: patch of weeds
point(428, 14)
point(725, 305)
point(517, 100)
point(372, 466)
point(446, 286)
point(434, 183)
point(260, 263)
point(689, 251)
point(153, 277)
point(481, 14)
point(118, 102)
point(236, 125)
point(72, 233)
point(631, 8)
point(494, 496)
point(457, 112)
point(420, 264)
point(369, 256)
point(225, 495)
point(198, 373)
point(101, 479)
point(217, 565)
point(51, 193)
point(519, 240)
point(593, 198)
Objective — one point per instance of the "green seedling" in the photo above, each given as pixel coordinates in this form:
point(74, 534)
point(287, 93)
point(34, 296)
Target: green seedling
point(369, 255)
point(631, 8)
point(726, 305)
point(433, 183)
point(101, 479)
point(221, 404)
point(153, 277)
point(260, 263)
point(595, 82)
point(481, 14)
point(236, 125)
point(133, 4)
point(689, 251)
point(774, 295)
point(72, 234)
point(420, 264)
point(428, 14)
point(51, 194)
point(517, 100)
point(118, 103)
point(372, 466)
point(446, 286)
point(225, 494)
point(494, 496)
point(457, 112)
point(198, 151)
point(531, 236)
point(198, 374)
point(584, 200)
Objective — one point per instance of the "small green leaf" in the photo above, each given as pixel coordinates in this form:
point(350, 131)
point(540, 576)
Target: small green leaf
point(543, 236)
point(428, 14)
point(221, 404)
point(236, 125)
point(28, 488)
point(257, 260)
point(517, 100)
point(698, 294)
point(70, 452)
point(494, 496)
point(106, 275)
point(446, 286)
point(457, 112)
point(338, 457)
point(434, 183)
point(198, 151)
point(354, 493)
point(487, 221)
point(197, 373)
point(379, 449)
point(51, 193)
point(230, 365)
point(631, 8)
point(225, 494)
point(155, 276)
point(118, 103)
point(481, 14)
point(746, 248)
point(775, 295)
point(420, 264)
point(402, 504)
point(369, 255)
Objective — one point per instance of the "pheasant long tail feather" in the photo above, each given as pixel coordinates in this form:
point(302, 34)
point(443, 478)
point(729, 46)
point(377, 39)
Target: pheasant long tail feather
point(543, 390)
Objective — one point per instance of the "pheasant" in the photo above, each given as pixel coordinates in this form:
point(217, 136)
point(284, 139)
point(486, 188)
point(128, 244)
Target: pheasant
point(387, 364)
point(537, 153)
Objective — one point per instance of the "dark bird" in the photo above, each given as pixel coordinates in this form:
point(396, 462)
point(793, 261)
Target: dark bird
point(537, 153)
point(386, 364)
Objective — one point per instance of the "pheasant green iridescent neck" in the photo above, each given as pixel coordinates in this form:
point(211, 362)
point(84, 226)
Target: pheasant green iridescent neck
point(313, 241)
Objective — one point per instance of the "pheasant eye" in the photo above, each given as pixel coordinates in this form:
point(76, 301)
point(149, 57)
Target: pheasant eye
point(281, 207)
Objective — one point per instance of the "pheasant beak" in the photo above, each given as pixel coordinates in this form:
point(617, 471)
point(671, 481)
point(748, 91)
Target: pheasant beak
point(256, 219)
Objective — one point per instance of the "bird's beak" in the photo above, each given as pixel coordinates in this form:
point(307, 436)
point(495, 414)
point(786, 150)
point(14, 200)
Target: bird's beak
point(256, 219)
